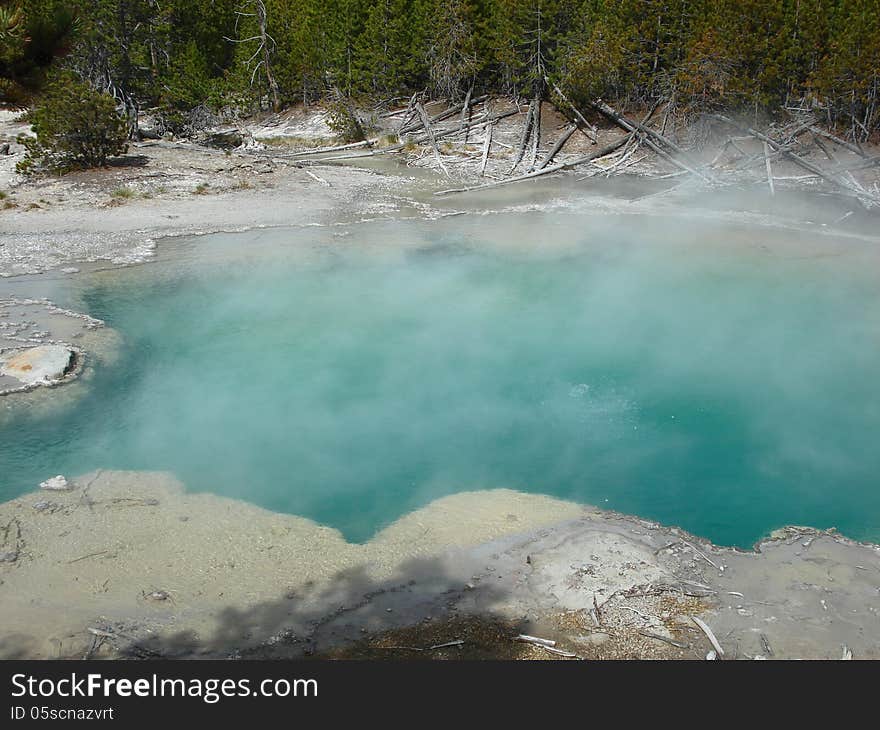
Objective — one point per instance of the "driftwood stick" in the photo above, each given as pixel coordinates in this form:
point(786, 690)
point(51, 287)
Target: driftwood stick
point(631, 126)
point(560, 652)
point(626, 154)
point(669, 158)
point(338, 148)
point(712, 563)
point(660, 637)
point(797, 132)
point(317, 178)
point(560, 143)
point(419, 123)
point(538, 173)
point(537, 641)
point(709, 635)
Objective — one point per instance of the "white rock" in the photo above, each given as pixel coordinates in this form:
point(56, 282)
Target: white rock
point(37, 364)
point(56, 484)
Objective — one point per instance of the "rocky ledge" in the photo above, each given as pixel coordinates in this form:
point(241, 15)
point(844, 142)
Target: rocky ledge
point(42, 365)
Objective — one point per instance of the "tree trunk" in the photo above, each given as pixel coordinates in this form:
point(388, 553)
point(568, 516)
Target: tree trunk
point(264, 39)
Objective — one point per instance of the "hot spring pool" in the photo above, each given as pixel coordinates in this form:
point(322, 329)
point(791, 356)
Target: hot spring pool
point(720, 378)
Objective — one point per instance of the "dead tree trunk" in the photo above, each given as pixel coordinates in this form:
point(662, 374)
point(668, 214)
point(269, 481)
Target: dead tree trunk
point(652, 139)
point(265, 40)
point(769, 169)
point(526, 134)
point(466, 110)
point(536, 134)
point(846, 145)
point(591, 132)
point(437, 135)
point(545, 171)
point(854, 190)
point(410, 110)
point(487, 144)
point(429, 131)
point(560, 143)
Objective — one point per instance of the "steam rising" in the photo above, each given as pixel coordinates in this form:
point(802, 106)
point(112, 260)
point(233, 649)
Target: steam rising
point(716, 377)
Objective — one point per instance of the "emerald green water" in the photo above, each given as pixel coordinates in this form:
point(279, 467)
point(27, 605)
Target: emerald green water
point(717, 378)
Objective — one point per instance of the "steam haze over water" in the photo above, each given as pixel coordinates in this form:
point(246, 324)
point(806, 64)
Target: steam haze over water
point(716, 377)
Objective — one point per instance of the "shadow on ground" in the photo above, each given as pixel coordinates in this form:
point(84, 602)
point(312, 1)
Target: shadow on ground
point(408, 615)
point(129, 161)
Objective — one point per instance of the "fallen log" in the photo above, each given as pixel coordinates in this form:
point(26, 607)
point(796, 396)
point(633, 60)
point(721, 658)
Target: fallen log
point(842, 143)
point(538, 173)
point(338, 148)
point(769, 169)
point(625, 155)
point(429, 130)
point(487, 143)
point(560, 143)
point(652, 139)
point(821, 145)
point(466, 110)
point(445, 114)
point(409, 112)
point(593, 132)
point(620, 164)
point(857, 192)
point(796, 132)
point(524, 141)
point(438, 135)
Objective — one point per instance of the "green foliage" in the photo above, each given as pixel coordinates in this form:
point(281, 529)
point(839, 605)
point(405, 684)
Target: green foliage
point(33, 34)
point(344, 121)
point(452, 53)
point(187, 85)
point(847, 79)
point(76, 127)
point(182, 55)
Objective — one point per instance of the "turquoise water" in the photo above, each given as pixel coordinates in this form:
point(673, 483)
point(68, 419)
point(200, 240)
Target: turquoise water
point(717, 378)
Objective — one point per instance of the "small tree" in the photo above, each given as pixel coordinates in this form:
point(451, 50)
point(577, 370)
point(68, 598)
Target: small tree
point(76, 127)
point(343, 119)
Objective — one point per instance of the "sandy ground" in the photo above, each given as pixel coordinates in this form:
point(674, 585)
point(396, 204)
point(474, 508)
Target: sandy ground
point(131, 564)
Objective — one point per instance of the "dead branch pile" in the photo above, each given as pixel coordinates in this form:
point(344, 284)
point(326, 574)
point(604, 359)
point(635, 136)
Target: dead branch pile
point(746, 156)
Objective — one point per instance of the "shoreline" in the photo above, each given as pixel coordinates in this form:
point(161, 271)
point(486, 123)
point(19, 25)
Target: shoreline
point(158, 571)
